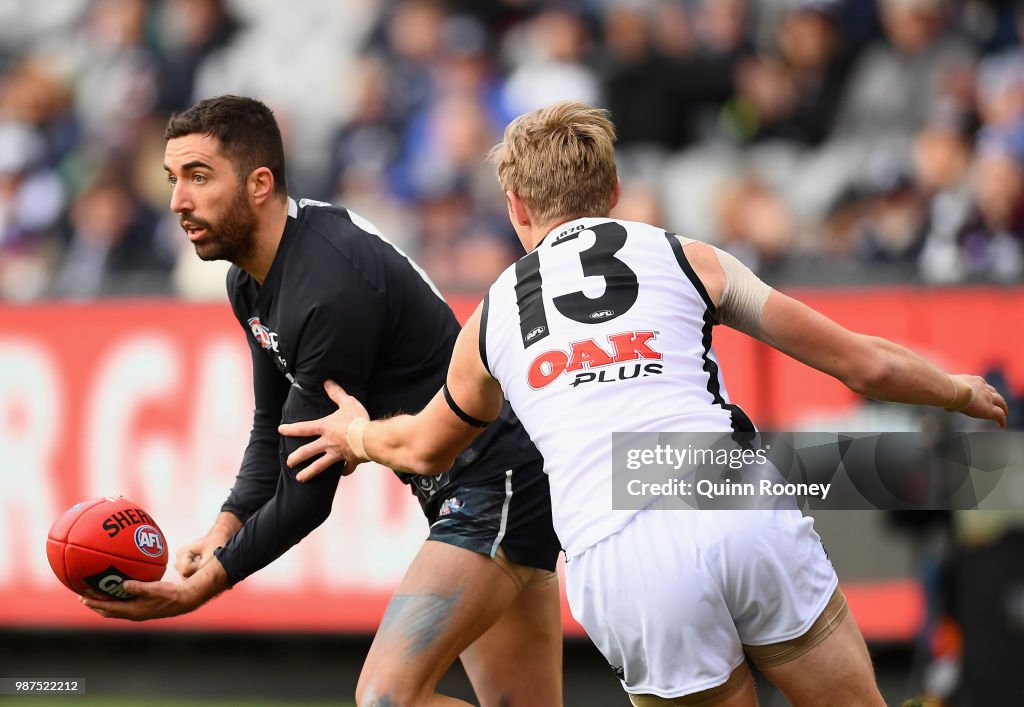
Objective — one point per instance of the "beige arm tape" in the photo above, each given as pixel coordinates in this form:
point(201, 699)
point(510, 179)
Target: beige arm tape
point(354, 435)
point(959, 403)
point(744, 296)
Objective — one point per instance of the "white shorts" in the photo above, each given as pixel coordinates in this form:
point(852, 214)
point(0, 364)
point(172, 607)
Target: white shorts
point(671, 599)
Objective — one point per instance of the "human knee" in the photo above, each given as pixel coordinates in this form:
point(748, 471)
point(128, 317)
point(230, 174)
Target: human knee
point(381, 688)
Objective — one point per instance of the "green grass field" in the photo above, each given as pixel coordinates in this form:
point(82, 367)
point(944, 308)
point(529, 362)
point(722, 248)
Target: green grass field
point(115, 700)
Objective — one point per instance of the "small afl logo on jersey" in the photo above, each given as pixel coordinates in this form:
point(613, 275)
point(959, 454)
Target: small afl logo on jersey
point(535, 333)
point(148, 540)
point(602, 314)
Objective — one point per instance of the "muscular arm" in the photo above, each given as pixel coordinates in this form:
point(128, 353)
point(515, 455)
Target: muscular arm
point(868, 365)
point(426, 443)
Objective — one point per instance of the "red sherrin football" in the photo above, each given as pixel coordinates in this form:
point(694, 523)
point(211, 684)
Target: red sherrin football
point(95, 545)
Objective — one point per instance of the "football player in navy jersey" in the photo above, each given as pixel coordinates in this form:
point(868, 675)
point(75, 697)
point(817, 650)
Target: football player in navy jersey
point(321, 294)
point(605, 326)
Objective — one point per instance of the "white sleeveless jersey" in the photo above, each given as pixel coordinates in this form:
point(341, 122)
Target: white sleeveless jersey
point(604, 327)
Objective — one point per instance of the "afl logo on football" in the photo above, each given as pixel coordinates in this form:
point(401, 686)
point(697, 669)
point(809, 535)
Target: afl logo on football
point(602, 314)
point(148, 540)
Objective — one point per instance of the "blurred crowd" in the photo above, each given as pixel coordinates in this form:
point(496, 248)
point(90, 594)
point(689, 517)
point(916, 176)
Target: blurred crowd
point(820, 141)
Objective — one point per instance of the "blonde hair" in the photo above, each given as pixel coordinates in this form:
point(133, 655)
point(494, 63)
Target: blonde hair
point(559, 160)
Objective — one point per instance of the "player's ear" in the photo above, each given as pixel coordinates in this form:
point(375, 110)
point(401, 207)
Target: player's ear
point(260, 184)
point(616, 193)
point(518, 211)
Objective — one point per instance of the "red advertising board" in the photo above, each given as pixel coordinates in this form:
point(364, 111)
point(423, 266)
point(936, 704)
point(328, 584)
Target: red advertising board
point(152, 400)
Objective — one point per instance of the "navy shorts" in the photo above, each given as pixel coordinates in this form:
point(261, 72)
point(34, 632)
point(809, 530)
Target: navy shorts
point(512, 512)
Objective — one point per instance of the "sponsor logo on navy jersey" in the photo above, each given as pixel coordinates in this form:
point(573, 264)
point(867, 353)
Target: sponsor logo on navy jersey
point(268, 340)
point(592, 362)
point(264, 336)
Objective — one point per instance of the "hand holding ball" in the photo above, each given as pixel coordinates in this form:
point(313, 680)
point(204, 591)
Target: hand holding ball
point(96, 545)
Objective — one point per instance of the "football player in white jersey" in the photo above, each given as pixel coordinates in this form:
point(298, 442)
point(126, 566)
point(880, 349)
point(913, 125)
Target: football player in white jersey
point(605, 326)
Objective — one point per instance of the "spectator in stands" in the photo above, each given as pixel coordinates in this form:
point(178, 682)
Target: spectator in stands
point(111, 246)
point(188, 31)
point(31, 199)
point(651, 77)
point(410, 42)
point(894, 221)
point(899, 82)
point(1000, 88)
point(33, 93)
point(114, 72)
point(988, 243)
point(723, 33)
point(549, 62)
point(812, 49)
point(755, 224)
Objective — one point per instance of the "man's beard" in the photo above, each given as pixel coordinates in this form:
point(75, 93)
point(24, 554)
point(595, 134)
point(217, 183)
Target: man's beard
point(232, 237)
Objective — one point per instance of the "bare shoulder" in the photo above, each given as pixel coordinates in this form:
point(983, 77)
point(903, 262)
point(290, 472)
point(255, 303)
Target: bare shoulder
point(705, 264)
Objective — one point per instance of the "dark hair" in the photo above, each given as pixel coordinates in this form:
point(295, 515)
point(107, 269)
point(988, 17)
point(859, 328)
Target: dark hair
point(245, 129)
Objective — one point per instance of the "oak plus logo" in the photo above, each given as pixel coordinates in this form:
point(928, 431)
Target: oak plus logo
point(627, 355)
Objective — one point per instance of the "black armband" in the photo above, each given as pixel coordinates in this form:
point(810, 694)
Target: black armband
point(459, 412)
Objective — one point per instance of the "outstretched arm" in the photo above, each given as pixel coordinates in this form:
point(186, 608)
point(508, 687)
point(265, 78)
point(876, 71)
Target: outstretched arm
point(872, 366)
point(425, 443)
point(868, 365)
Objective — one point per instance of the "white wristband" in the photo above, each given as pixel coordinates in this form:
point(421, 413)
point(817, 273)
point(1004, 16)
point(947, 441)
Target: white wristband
point(354, 435)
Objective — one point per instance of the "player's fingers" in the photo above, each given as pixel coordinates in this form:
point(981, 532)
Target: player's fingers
point(306, 451)
point(99, 606)
point(335, 392)
point(1001, 402)
point(992, 406)
point(186, 566)
point(1000, 416)
point(315, 468)
point(186, 561)
point(100, 611)
point(307, 428)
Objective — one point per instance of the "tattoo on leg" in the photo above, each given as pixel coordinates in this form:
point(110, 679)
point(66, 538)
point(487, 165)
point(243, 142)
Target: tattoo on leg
point(417, 619)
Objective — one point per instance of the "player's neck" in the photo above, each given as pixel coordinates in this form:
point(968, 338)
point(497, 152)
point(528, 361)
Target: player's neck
point(266, 240)
point(535, 234)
